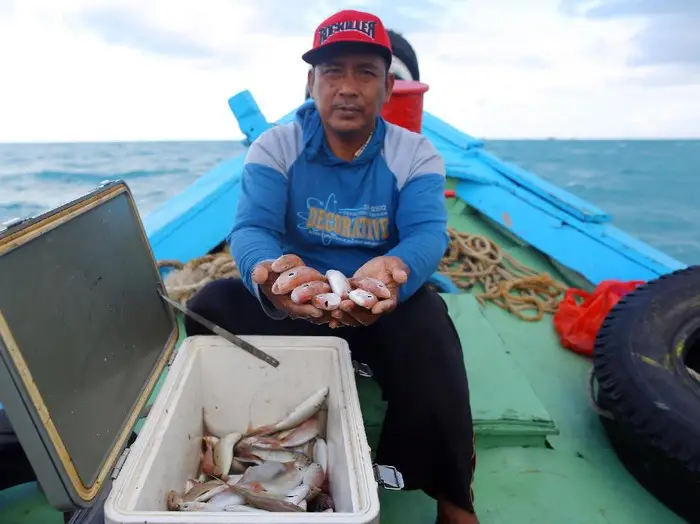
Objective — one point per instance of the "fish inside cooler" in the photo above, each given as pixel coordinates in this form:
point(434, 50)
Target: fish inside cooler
point(231, 434)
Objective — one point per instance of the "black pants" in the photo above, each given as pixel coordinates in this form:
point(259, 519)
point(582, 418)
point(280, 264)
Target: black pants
point(416, 357)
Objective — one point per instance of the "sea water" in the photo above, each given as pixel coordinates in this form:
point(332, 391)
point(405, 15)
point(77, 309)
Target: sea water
point(649, 187)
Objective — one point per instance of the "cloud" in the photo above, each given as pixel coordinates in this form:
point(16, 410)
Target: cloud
point(669, 34)
point(157, 28)
point(6, 7)
point(159, 70)
point(600, 9)
point(118, 26)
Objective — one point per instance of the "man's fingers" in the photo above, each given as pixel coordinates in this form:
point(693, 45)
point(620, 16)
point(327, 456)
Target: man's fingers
point(346, 305)
point(371, 285)
point(399, 275)
point(260, 274)
point(384, 306)
point(286, 262)
point(304, 310)
point(345, 318)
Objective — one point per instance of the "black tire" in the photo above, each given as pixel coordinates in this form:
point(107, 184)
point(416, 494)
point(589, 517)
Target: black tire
point(403, 51)
point(641, 359)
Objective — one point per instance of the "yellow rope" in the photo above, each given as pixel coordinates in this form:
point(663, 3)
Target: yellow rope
point(187, 279)
point(470, 259)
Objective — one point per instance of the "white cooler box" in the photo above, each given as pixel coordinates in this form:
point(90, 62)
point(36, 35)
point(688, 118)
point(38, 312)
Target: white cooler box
point(85, 333)
point(213, 380)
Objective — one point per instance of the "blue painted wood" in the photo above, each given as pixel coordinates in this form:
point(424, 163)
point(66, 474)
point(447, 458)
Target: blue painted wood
point(192, 223)
point(451, 135)
point(450, 140)
point(566, 244)
point(251, 120)
point(569, 229)
point(556, 196)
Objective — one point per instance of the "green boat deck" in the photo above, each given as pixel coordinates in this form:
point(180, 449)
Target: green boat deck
point(542, 455)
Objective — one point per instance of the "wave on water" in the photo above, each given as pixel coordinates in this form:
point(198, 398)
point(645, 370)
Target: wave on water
point(69, 177)
point(649, 187)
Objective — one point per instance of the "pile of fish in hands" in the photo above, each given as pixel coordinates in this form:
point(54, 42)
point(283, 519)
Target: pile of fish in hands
point(307, 285)
point(282, 467)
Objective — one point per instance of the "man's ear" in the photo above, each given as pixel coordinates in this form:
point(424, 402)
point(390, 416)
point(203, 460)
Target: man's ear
point(310, 77)
point(389, 86)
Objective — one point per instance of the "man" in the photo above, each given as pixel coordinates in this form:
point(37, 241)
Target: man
point(340, 188)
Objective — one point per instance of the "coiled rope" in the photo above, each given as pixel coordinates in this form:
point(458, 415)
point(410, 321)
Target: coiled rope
point(475, 259)
point(470, 259)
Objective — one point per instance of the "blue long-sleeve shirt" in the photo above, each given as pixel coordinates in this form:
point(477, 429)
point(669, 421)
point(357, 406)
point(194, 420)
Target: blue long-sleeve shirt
point(298, 197)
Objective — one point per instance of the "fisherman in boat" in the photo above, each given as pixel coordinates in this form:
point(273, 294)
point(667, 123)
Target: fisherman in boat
point(342, 189)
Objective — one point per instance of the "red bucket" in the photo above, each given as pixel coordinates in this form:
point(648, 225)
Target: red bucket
point(405, 107)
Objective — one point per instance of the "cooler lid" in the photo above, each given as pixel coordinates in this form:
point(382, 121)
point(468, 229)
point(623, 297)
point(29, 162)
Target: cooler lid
point(84, 336)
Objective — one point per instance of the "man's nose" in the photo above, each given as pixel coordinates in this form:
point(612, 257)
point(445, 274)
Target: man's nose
point(348, 85)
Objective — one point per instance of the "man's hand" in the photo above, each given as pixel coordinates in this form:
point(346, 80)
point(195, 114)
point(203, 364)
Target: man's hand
point(265, 274)
point(392, 272)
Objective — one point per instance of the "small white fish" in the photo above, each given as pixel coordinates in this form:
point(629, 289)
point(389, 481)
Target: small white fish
point(373, 285)
point(320, 454)
point(233, 479)
point(306, 409)
point(296, 495)
point(242, 508)
point(208, 506)
point(196, 506)
point(203, 491)
point(200, 493)
point(362, 298)
point(223, 451)
point(276, 455)
point(313, 475)
point(263, 472)
point(226, 498)
point(306, 292)
point(303, 433)
point(259, 440)
point(294, 277)
point(284, 483)
point(326, 301)
point(306, 449)
point(268, 502)
point(339, 283)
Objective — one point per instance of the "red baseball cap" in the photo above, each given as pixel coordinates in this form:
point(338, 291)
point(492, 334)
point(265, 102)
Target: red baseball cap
point(350, 29)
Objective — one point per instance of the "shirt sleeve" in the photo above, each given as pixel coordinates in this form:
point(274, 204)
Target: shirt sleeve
point(260, 217)
point(421, 219)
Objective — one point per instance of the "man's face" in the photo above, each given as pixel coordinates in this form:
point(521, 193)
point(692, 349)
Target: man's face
point(350, 90)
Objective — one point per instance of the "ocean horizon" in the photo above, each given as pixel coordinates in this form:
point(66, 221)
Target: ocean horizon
point(648, 185)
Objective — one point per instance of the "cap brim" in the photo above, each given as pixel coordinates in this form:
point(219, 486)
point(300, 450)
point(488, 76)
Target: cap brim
point(328, 51)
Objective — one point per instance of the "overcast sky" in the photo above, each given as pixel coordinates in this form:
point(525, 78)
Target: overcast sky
point(73, 70)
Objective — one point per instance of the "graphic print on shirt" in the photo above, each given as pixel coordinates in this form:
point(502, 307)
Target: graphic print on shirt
point(367, 225)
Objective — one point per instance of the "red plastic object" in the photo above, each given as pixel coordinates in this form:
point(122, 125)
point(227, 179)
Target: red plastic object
point(577, 324)
point(405, 107)
point(450, 193)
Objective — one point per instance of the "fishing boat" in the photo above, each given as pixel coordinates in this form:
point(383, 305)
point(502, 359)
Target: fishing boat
point(543, 452)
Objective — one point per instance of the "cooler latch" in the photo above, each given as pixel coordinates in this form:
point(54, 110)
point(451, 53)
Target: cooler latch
point(362, 369)
point(120, 463)
point(388, 477)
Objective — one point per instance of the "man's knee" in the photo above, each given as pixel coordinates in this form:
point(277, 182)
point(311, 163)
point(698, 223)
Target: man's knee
point(423, 315)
